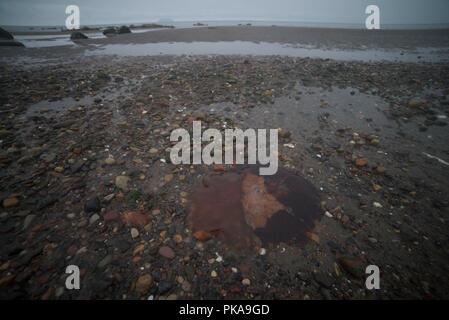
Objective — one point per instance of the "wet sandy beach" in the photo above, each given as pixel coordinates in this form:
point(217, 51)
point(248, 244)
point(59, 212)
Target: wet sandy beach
point(340, 38)
point(86, 177)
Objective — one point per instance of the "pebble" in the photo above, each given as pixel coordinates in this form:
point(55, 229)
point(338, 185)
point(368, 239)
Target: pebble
point(314, 237)
point(416, 103)
point(324, 280)
point(29, 218)
point(177, 238)
point(361, 162)
point(104, 262)
point(121, 182)
point(10, 202)
point(138, 250)
point(144, 284)
point(372, 240)
point(109, 161)
point(134, 233)
point(71, 216)
point(284, 134)
point(164, 286)
point(186, 286)
point(92, 205)
point(109, 197)
point(380, 169)
point(94, 218)
point(135, 219)
point(111, 216)
point(214, 274)
point(59, 291)
point(353, 266)
point(202, 235)
point(246, 282)
point(167, 252)
point(81, 250)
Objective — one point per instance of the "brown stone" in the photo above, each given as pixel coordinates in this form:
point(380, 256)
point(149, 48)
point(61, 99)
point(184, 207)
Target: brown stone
point(353, 266)
point(139, 249)
point(202, 235)
point(416, 103)
point(361, 162)
point(380, 169)
point(134, 219)
point(143, 284)
point(219, 168)
point(314, 237)
point(111, 216)
point(10, 202)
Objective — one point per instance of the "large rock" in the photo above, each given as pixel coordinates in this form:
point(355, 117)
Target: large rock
point(7, 40)
point(5, 35)
point(11, 43)
point(124, 29)
point(76, 35)
point(110, 31)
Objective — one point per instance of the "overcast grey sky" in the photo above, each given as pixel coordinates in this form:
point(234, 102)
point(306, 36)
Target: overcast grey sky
point(52, 12)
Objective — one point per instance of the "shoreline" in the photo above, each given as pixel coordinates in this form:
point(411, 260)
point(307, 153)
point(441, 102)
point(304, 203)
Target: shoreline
point(428, 46)
point(330, 37)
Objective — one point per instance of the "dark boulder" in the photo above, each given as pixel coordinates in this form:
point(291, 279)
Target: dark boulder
point(10, 43)
point(76, 35)
point(110, 31)
point(124, 29)
point(5, 35)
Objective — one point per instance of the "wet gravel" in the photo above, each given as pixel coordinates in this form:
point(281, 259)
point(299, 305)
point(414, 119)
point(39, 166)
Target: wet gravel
point(86, 177)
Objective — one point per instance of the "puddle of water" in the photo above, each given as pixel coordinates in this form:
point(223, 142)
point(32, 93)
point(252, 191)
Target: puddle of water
point(318, 114)
point(265, 48)
point(244, 209)
point(56, 40)
point(43, 41)
point(116, 92)
point(48, 108)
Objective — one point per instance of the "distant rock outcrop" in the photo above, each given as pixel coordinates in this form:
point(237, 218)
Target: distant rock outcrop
point(5, 35)
point(124, 29)
point(110, 31)
point(11, 43)
point(7, 40)
point(76, 35)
